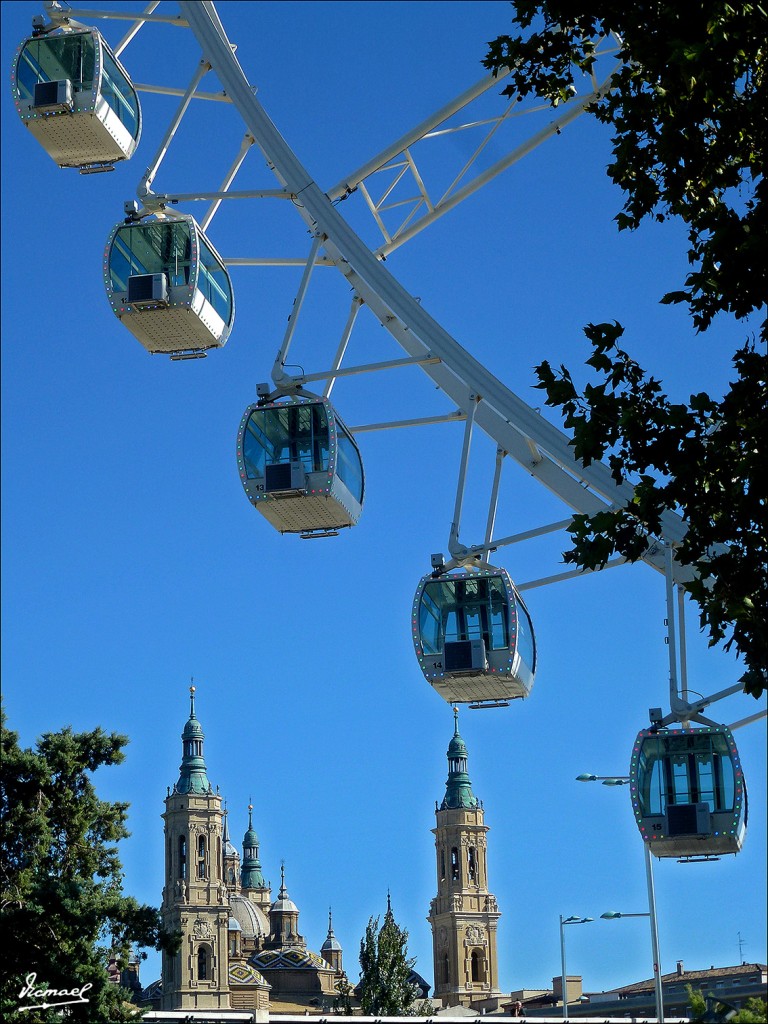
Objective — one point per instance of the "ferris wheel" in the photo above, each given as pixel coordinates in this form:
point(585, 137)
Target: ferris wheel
point(301, 466)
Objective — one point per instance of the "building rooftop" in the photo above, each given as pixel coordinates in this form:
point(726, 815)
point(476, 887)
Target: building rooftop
point(711, 974)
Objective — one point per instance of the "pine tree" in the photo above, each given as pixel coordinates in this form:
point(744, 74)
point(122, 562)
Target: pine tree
point(61, 879)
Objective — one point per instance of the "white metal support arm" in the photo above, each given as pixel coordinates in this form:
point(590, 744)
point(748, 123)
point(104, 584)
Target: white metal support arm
point(512, 423)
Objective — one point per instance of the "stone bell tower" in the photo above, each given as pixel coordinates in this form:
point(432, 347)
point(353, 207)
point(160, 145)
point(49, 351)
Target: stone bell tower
point(464, 914)
point(195, 894)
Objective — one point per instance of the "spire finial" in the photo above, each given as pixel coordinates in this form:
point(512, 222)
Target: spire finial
point(455, 721)
point(192, 698)
point(330, 921)
point(250, 814)
point(389, 902)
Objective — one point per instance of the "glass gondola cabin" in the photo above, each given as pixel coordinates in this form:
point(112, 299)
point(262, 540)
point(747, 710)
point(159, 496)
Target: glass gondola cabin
point(688, 792)
point(473, 636)
point(300, 466)
point(168, 285)
point(75, 97)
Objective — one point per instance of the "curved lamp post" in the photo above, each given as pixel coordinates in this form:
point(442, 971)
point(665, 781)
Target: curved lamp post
point(563, 922)
point(622, 780)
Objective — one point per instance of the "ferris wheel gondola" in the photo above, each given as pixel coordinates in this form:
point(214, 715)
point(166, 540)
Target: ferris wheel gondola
point(300, 466)
point(168, 285)
point(76, 98)
point(688, 792)
point(473, 636)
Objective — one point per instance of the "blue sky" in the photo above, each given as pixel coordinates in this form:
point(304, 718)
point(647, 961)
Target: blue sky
point(132, 560)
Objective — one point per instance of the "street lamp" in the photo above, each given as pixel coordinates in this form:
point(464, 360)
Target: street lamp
point(563, 922)
point(607, 780)
point(622, 780)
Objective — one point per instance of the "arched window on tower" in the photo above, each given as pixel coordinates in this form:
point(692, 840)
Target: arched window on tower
point(442, 865)
point(446, 970)
point(475, 966)
point(454, 864)
point(478, 972)
point(201, 858)
point(472, 864)
point(182, 856)
point(202, 964)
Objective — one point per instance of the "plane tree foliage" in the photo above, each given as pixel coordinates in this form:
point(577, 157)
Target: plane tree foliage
point(707, 1009)
point(63, 907)
point(385, 969)
point(686, 111)
point(754, 1011)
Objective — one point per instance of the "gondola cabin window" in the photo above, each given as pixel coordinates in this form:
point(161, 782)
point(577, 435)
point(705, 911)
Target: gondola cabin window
point(686, 769)
point(70, 57)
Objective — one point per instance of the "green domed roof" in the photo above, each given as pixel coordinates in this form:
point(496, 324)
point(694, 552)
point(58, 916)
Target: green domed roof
point(458, 787)
point(193, 777)
point(193, 729)
point(457, 747)
point(250, 873)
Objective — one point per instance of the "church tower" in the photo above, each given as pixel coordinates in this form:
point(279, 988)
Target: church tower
point(231, 859)
point(195, 893)
point(331, 950)
point(284, 921)
point(252, 881)
point(464, 914)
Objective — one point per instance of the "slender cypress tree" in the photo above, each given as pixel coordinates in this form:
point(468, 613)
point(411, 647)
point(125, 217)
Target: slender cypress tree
point(385, 969)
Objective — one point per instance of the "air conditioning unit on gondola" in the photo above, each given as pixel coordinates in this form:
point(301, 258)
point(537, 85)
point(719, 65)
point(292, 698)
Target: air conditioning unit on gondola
point(465, 656)
point(53, 96)
point(285, 476)
point(688, 820)
point(147, 291)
